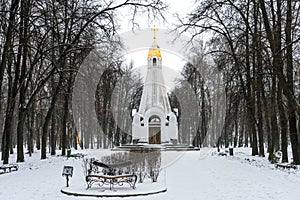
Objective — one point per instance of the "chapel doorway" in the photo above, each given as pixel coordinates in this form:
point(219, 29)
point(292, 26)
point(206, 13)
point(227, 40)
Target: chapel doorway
point(154, 130)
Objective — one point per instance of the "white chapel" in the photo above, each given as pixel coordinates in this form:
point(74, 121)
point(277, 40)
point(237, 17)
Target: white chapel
point(154, 123)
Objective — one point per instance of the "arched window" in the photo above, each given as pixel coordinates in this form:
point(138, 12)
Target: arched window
point(154, 118)
point(154, 61)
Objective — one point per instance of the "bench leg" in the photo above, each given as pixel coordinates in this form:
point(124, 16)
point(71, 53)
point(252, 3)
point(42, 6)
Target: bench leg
point(110, 184)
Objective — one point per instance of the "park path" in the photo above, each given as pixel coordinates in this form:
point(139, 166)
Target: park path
point(194, 176)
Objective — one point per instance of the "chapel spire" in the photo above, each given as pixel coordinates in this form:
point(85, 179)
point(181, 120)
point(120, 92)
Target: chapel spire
point(154, 123)
point(154, 29)
point(154, 50)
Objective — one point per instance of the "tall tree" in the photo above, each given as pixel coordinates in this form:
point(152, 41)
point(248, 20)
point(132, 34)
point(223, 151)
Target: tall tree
point(6, 63)
point(257, 58)
point(290, 84)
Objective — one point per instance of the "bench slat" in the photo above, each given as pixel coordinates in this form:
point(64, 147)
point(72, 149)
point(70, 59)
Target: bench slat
point(9, 167)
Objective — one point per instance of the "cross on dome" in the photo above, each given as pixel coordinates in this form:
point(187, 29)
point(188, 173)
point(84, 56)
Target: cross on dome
point(154, 29)
point(154, 50)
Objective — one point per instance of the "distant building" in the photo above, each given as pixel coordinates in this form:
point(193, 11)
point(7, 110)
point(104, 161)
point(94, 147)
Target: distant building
point(154, 123)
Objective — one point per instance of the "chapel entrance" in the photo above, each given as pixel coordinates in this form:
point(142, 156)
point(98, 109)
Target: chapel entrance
point(154, 130)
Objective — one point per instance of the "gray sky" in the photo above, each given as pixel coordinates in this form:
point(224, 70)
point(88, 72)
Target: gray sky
point(175, 6)
point(172, 57)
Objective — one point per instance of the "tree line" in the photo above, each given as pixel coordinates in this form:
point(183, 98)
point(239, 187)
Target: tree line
point(42, 45)
point(255, 44)
point(243, 81)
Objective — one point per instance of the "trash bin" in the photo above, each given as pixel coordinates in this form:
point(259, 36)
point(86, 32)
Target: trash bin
point(231, 151)
point(69, 153)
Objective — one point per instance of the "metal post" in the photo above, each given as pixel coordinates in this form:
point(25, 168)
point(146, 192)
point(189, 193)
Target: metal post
point(67, 178)
point(67, 171)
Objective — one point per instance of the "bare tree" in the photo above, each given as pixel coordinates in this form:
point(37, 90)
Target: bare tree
point(248, 37)
point(52, 40)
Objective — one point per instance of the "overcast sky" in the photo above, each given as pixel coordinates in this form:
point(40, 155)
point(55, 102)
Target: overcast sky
point(172, 61)
point(175, 6)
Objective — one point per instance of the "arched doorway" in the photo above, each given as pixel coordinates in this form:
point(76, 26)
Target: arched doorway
point(154, 130)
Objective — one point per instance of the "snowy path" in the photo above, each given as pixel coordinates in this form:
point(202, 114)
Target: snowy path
point(189, 178)
point(221, 178)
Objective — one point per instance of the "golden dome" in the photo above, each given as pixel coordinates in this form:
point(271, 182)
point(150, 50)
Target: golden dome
point(154, 51)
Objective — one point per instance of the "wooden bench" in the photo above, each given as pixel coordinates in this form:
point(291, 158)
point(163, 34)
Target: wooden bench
point(111, 180)
point(286, 166)
point(9, 167)
point(77, 155)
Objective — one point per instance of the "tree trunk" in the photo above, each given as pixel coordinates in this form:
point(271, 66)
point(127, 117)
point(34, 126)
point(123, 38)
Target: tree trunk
point(250, 99)
point(20, 137)
point(290, 82)
point(283, 125)
point(64, 123)
point(242, 130)
point(75, 137)
point(267, 120)
point(53, 134)
point(7, 48)
point(260, 113)
point(98, 142)
point(6, 138)
point(10, 108)
point(48, 118)
point(6, 62)
point(274, 146)
point(22, 81)
point(257, 64)
point(38, 133)
point(31, 130)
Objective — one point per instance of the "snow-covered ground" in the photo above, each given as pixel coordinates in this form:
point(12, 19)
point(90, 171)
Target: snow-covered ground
point(195, 175)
